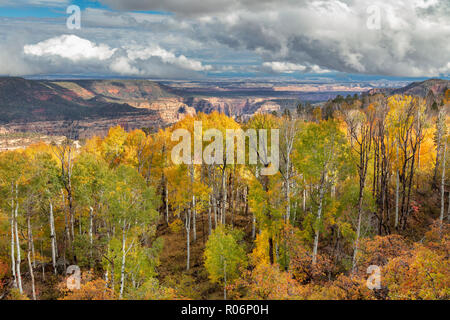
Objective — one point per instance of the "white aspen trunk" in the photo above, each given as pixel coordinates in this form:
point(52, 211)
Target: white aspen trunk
point(53, 238)
point(91, 227)
point(188, 238)
point(194, 218)
point(13, 243)
point(107, 266)
point(253, 227)
point(18, 273)
point(91, 232)
point(124, 254)
point(194, 210)
point(79, 225)
point(317, 233)
point(441, 218)
point(358, 233)
point(225, 280)
point(288, 201)
point(32, 250)
point(106, 276)
point(30, 267)
point(215, 211)
point(295, 212)
point(167, 200)
point(66, 219)
point(236, 196)
point(209, 216)
point(72, 226)
point(304, 199)
point(224, 197)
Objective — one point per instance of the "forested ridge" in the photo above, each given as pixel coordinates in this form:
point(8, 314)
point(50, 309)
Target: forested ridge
point(361, 182)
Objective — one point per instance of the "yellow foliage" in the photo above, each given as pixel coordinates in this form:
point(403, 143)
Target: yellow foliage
point(176, 226)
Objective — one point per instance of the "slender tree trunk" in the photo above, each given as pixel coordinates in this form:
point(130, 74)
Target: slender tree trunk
point(246, 201)
point(209, 216)
point(91, 232)
point(166, 199)
point(113, 271)
point(32, 249)
point(188, 238)
point(194, 218)
point(67, 240)
point(304, 199)
point(16, 229)
point(225, 280)
point(364, 159)
point(215, 210)
point(224, 196)
point(358, 233)
point(253, 226)
point(13, 243)
point(319, 216)
point(294, 219)
point(30, 267)
point(288, 200)
point(271, 255)
point(53, 238)
point(194, 210)
point(124, 255)
point(91, 226)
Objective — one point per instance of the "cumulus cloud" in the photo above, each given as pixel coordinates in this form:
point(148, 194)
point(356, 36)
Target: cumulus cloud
point(70, 47)
point(121, 65)
point(287, 67)
point(284, 67)
point(140, 53)
point(130, 60)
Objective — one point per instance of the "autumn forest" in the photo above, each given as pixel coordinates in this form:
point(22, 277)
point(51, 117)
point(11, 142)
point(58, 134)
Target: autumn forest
point(358, 208)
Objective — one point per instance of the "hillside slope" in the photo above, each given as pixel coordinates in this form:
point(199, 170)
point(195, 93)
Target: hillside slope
point(421, 89)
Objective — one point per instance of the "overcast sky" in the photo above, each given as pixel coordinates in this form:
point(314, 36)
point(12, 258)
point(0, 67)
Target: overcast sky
point(205, 38)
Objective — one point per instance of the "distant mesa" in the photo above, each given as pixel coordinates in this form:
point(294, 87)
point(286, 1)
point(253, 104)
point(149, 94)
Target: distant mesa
point(52, 107)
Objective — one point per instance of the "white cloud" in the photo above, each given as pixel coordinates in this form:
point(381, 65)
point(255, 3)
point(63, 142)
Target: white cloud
point(122, 66)
point(284, 67)
point(287, 67)
point(74, 53)
point(70, 47)
point(143, 53)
